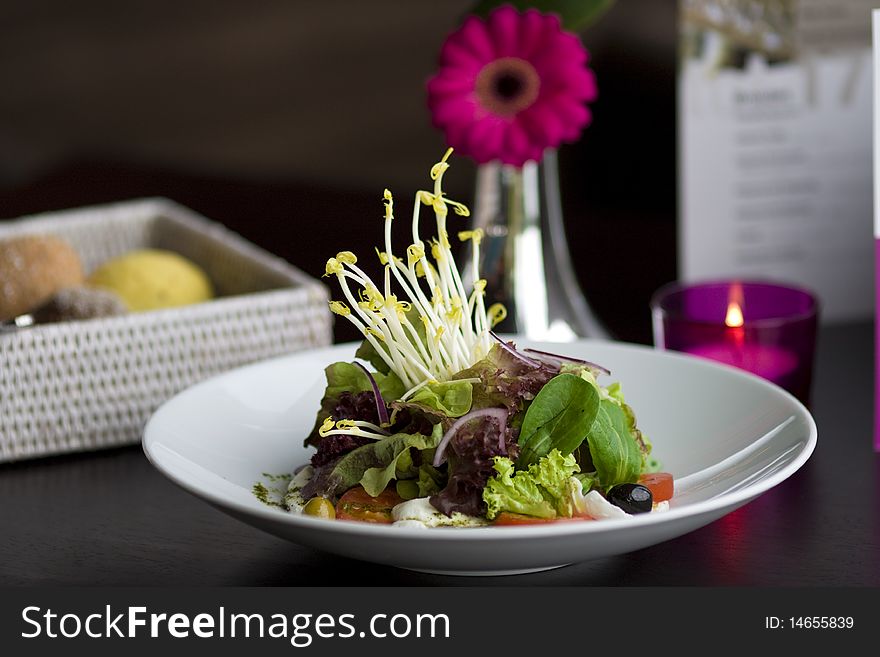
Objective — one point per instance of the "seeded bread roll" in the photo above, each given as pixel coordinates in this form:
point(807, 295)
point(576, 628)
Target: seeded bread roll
point(34, 268)
point(79, 303)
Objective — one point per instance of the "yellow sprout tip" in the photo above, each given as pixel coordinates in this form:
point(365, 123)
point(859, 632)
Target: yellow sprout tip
point(333, 268)
point(496, 314)
point(475, 235)
point(346, 257)
point(441, 166)
point(326, 427)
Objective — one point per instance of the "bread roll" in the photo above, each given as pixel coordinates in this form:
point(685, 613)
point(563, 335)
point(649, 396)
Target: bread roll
point(34, 268)
point(79, 303)
point(151, 279)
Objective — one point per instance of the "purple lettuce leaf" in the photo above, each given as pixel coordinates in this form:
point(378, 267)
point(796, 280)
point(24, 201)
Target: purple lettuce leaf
point(469, 465)
point(332, 447)
point(412, 417)
point(349, 395)
point(507, 381)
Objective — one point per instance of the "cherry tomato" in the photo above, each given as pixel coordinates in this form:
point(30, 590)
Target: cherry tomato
point(508, 518)
point(356, 504)
point(659, 483)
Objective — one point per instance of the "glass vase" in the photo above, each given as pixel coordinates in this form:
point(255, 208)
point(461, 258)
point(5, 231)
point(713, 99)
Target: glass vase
point(524, 255)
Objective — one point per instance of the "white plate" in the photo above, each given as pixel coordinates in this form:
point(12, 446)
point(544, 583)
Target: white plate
point(725, 435)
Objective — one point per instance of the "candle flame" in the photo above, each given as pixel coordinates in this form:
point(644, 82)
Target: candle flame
point(734, 318)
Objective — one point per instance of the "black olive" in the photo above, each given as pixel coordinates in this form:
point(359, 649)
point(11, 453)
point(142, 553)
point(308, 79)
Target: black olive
point(632, 498)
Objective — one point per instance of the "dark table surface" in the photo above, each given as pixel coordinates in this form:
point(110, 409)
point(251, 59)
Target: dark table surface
point(110, 518)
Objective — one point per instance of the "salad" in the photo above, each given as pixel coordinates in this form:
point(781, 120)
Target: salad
point(440, 422)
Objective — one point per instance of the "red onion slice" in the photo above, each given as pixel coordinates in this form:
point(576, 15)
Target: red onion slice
point(380, 402)
point(499, 414)
point(513, 352)
point(559, 357)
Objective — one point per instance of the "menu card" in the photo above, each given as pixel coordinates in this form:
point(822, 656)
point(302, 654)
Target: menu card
point(775, 106)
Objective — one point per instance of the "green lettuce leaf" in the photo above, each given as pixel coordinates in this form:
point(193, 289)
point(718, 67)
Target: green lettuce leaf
point(393, 454)
point(374, 463)
point(546, 490)
point(452, 398)
point(615, 392)
point(431, 481)
point(516, 492)
point(345, 474)
point(342, 377)
point(554, 473)
point(588, 481)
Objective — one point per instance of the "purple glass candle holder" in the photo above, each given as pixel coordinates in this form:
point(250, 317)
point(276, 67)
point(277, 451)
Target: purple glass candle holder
point(764, 328)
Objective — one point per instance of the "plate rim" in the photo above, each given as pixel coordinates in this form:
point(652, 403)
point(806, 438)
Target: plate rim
point(487, 533)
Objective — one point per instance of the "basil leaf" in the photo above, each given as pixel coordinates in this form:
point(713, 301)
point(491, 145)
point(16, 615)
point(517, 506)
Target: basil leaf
point(559, 417)
point(616, 456)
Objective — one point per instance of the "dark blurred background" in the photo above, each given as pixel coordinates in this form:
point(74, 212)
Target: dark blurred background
point(284, 120)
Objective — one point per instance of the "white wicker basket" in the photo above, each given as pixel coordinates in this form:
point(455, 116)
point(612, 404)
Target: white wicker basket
point(86, 385)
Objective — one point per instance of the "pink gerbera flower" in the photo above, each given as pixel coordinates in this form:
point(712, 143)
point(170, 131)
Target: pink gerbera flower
point(510, 86)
